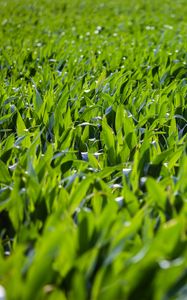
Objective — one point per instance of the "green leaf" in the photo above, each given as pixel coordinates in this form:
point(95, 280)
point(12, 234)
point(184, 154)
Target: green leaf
point(79, 193)
point(20, 125)
point(5, 118)
point(108, 140)
point(156, 192)
point(4, 173)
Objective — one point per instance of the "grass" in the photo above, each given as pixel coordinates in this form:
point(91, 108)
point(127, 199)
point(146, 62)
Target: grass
point(93, 123)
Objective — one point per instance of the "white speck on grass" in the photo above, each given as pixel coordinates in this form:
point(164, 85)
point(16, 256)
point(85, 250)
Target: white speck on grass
point(39, 45)
point(16, 89)
point(97, 154)
point(176, 61)
point(99, 27)
point(154, 144)
point(156, 50)
point(127, 171)
point(168, 26)
point(84, 156)
point(119, 200)
point(12, 167)
point(140, 255)
point(149, 27)
point(4, 22)
point(52, 60)
point(2, 293)
point(116, 186)
point(127, 224)
point(143, 180)
point(164, 264)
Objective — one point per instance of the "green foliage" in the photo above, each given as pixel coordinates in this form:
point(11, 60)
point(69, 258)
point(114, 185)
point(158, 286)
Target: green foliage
point(93, 123)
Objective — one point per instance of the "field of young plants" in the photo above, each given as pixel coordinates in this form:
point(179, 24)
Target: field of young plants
point(93, 150)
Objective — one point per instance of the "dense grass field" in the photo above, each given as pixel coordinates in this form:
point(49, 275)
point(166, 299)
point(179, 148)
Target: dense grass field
point(93, 150)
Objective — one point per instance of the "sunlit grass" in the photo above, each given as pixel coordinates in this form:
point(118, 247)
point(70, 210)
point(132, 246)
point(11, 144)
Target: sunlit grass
point(93, 122)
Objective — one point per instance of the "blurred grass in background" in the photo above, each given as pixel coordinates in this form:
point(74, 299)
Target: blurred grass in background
point(93, 165)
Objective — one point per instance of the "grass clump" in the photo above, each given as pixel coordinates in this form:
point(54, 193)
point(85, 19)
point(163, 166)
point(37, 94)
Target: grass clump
point(93, 160)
